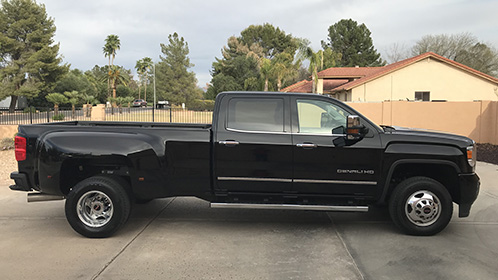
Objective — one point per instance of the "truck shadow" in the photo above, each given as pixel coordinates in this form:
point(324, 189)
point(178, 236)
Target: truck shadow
point(187, 209)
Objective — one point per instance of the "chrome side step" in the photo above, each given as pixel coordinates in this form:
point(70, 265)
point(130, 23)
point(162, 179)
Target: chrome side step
point(339, 208)
point(37, 197)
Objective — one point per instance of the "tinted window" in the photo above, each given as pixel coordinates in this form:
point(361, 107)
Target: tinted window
point(256, 114)
point(319, 117)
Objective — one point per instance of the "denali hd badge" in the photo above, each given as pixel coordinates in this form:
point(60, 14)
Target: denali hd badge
point(355, 171)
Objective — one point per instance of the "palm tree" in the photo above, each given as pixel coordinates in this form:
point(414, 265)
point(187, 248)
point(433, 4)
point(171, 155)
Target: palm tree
point(139, 67)
point(316, 63)
point(147, 64)
point(116, 76)
point(283, 68)
point(112, 45)
point(266, 71)
point(143, 66)
point(73, 97)
point(57, 99)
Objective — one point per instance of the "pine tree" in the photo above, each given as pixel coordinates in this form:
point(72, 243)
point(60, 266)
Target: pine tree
point(174, 82)
point(353, 41)
point(30, 62)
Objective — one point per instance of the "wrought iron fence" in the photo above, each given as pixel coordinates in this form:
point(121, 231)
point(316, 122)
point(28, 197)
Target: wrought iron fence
point(149, 114)
point(41, 115)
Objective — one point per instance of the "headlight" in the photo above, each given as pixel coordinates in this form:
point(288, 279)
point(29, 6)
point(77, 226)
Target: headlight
point(471, 156)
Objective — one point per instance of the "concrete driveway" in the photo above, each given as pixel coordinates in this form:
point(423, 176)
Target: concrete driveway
point(182, 238)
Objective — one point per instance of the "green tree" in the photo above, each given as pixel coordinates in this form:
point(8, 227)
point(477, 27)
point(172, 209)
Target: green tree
point(174, 82)
point(220, 83)
point(261, 58)
point(57, 99)
point(75, 80)
point(272, 40)
point(111, 46)
point(353, 41)
point(30, 61)
point(463, 48)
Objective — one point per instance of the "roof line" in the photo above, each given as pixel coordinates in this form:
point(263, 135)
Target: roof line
point(404, 63)
point(286, 89)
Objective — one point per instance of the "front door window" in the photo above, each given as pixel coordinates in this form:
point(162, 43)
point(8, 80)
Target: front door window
point(319, 117)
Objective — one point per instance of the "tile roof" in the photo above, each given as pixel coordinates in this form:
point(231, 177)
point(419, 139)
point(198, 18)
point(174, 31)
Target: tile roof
point(302, 86)
point(330, 84)
point(307, 86)
point(348, 72)
point(404, 63)
point(346, 78)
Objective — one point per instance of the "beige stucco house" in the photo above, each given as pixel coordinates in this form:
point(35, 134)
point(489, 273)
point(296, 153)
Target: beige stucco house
point(426, 77)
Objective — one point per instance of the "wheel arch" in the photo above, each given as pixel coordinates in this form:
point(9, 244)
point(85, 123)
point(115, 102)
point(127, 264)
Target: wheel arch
point(74, 170)
point(445, 172)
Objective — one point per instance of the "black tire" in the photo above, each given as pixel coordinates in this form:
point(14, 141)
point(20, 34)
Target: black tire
point(421, 206)
point(98, 206)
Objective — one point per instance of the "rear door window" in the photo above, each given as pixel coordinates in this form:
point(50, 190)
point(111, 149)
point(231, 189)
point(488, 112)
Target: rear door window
point(249, 114)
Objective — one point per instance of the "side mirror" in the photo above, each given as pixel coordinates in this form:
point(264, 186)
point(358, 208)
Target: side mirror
point(354, 130)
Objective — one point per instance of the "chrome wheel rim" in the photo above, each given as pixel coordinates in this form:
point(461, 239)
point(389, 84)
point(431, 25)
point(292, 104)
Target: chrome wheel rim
point(95, 209)
point(423, 208)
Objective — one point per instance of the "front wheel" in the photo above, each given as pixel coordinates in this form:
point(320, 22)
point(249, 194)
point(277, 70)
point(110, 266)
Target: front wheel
point(98, 206)
point(421, 206)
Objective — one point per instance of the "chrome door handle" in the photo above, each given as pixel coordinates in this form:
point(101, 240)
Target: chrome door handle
point(306, 145)
point(229, 143)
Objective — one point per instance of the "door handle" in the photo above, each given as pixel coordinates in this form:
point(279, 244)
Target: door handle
point(306, 145)
point(229, 143)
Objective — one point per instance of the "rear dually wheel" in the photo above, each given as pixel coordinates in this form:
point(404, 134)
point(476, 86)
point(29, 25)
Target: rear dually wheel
point(98, 206)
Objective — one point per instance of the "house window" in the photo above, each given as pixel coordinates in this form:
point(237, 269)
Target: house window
point(422, 96)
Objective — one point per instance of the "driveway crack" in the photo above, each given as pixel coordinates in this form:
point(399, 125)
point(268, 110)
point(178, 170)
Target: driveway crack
point(347, 248)
point(131, 241)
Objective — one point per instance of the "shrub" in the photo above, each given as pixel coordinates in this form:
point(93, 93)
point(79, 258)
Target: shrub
point(58, 117)
point(29, 109)
point(201, 105)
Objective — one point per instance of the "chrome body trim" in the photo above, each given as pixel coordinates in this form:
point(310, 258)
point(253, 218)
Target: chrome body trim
point(281, 180)
point(229, 143)
point(334, 182)
point(291, 207)
point(306, 145)
point(255, 131)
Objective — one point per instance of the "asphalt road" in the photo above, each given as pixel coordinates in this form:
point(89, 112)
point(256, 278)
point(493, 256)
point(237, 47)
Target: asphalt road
point(182, 238)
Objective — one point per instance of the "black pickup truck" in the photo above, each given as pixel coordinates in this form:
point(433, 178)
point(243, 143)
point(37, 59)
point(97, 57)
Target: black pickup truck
point(263, 151)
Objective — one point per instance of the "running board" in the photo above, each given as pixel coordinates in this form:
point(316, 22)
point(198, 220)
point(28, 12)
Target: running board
point(338, 208)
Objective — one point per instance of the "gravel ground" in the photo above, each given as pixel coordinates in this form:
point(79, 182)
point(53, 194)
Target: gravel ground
point(7, 165)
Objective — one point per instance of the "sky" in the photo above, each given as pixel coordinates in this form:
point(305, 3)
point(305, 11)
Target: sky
point(142, 26)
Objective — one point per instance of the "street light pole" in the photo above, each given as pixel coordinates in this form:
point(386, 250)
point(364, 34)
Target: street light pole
point(154, 107)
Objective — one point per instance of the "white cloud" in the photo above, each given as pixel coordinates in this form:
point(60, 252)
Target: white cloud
point(142, 25)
